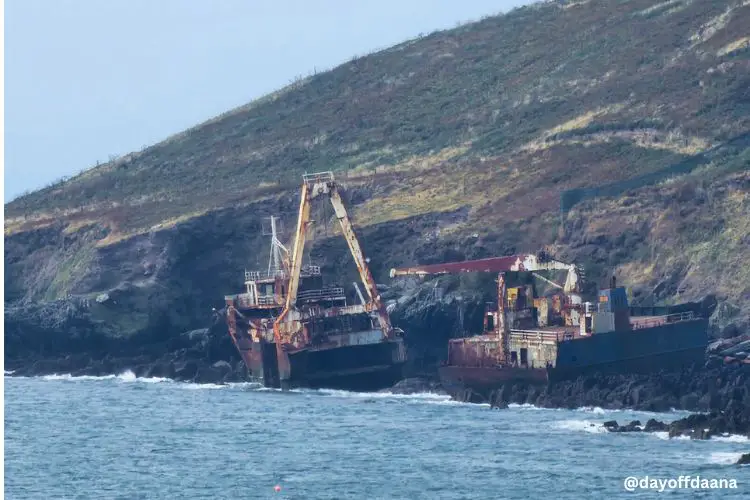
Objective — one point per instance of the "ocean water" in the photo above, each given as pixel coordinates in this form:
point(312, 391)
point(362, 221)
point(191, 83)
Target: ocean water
point(121, 437)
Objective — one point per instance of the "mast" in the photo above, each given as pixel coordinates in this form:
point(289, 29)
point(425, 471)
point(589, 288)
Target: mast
point(275, 257)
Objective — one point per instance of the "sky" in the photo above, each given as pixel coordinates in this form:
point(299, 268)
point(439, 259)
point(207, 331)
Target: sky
point(88, 79)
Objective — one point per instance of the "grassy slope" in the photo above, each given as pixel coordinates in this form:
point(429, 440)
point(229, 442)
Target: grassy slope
point(498, 116)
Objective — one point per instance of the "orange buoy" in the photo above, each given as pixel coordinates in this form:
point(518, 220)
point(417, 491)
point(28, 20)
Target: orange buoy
point(277, 488)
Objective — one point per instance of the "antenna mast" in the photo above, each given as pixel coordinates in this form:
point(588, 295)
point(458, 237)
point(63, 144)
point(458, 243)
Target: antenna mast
point(275, 258)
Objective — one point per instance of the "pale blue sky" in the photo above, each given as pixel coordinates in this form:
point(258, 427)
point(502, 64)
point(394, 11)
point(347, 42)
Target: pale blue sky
point(85, 79)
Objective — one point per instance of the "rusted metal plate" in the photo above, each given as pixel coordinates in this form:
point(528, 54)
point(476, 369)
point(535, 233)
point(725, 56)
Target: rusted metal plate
point(488, 377)
point(475, 352)
point(354, 338)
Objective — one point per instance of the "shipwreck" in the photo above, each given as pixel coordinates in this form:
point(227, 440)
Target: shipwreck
point(293, 330)
point(559, 336)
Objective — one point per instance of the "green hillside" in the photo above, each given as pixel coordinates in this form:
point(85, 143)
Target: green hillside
point(635, 112)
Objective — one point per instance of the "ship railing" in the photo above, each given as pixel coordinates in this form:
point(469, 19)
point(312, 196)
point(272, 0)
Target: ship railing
point(262, 275)
point(246, 300)
point(662, 320)
point(322, 294)
point(306, 271)
point(537, 335)
point(678, 317)
point(317, 177)
point(266, 300)
point(310, 271)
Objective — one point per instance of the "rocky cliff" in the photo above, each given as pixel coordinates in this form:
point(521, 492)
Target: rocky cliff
point(613, 133)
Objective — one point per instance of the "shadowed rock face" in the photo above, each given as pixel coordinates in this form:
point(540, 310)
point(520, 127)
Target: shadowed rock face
point(61, 338)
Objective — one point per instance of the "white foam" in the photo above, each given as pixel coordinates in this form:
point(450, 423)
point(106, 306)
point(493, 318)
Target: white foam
point(126, 376)
point(724, 457)
point(245, 385)
point(592, 409)
point(129, 376)
point(581, 426)
point(9, 372)
point(727, 438)
point(524, 406)
point(430, 398)
point(68, 376)
point(417, 396)
point(731, 438)
point(596, 410)
point(665, 436)
point(194, 386)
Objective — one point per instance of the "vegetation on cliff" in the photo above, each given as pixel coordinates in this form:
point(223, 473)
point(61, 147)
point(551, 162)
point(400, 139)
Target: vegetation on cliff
point(458, 144)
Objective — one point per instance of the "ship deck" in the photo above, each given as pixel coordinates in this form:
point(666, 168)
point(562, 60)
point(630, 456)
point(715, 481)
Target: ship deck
point(541, 333)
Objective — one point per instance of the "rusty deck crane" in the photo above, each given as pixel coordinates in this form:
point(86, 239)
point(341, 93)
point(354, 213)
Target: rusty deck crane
point(289, 327)
point(520, 263)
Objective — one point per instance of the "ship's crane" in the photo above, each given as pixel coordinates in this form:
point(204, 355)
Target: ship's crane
point(288, 328)
point(523, 262)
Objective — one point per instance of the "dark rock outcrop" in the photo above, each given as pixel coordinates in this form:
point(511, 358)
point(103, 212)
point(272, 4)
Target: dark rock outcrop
point(613, 426)
point(698, 426)
point(206, 355)
point(713, 387)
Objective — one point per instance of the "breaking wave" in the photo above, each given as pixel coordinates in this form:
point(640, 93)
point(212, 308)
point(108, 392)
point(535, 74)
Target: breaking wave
point(68, 376)
point(128, 376)
point(593, 409)
point(598, 427)
point(731, 438)
point(418, 397)
point(581, 426)
point(665, 436)
point(597, 410)
point(585, 409)
point(526, 406)
point(724, 457)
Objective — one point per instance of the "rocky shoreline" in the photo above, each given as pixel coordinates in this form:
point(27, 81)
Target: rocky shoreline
point(701, 426)
point(719, 392)
point(714, 386)
point(205, 355)
point(64, 341)
point(697, 426)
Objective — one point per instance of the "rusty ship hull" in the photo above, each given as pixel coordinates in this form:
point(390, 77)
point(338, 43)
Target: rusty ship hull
point(669, 346)
point(362, 368)
point(476, 384)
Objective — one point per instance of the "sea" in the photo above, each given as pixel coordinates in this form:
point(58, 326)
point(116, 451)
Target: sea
point(123, 437)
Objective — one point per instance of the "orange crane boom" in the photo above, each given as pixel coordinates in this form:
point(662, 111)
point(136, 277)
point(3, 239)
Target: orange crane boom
point(288, 328)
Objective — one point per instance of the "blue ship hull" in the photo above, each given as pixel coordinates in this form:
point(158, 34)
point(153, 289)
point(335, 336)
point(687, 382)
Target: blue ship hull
point(672, 346)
